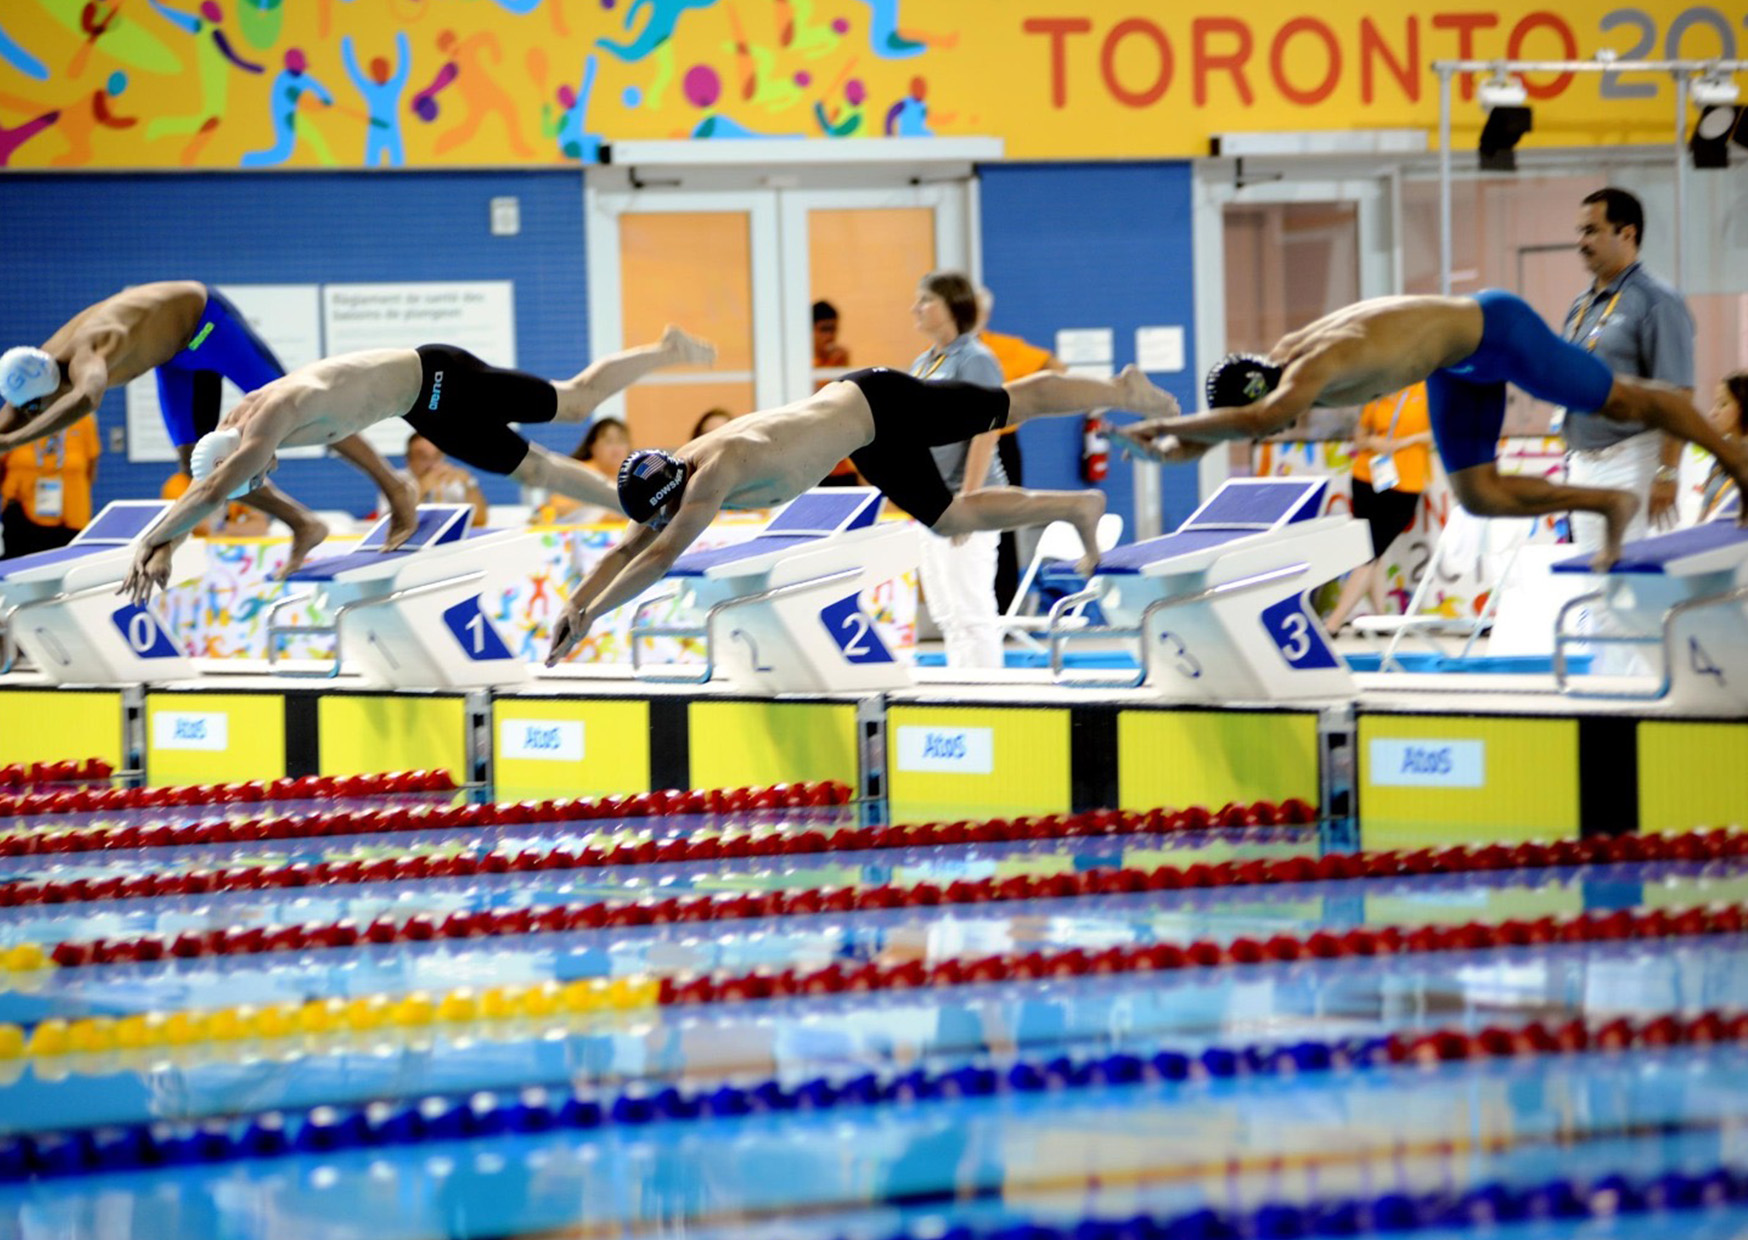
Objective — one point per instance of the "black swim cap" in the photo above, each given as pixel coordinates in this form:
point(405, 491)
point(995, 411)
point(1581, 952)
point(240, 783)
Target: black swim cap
point(1240, 379)
point(648, 479)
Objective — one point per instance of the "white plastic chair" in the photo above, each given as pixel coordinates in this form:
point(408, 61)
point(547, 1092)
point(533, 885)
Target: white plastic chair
point(1057, 542)
point(1464, 535)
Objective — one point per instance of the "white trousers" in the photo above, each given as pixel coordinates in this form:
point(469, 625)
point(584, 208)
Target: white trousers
point(1630, 465)
point(959, 585)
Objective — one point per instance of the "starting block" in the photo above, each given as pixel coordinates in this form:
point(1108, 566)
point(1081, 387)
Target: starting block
point(1683, 593)
point(781, 612)
point(414, 617)
point(63, 612)
point(1218, 609)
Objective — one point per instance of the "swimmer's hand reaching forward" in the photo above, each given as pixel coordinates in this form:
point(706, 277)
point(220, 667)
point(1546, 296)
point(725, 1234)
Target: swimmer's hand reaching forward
point(568, 632)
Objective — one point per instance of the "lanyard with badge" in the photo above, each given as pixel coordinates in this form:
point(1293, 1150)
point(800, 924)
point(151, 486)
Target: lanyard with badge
point(935, 365)
point(51, 455)
point(1385, 475)
point(1590, 338)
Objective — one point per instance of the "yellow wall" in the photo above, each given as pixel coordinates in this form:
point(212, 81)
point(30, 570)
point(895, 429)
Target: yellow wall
point(748, 743)
point(1029, 762)
point(52, 725)
point(1178, 758)
point(1692, 774)
point(360, 734)
point(253, 730)
point(1529, 788)
point(614, 741)
point(1097, 78)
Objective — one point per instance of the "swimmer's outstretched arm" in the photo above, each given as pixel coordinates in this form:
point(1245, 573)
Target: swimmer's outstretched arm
point(89, 372)
point(1299, 388)
point(151, 566)
point(637, 563)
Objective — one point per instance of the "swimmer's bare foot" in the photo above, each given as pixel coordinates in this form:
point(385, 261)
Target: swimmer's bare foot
point(687, 349)
point(1089, 507)
point(1142, 395)
point(305, 535)
point(1621, 510)
point(402, 494)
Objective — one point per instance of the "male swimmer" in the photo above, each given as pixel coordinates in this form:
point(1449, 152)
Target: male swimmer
point(1466, 349)
point(193, 337)
point(448, 395)
point(885, 421)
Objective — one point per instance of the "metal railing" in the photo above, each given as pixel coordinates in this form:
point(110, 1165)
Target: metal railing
point(705, 629)
point(1664, 640)
point(1061, 635)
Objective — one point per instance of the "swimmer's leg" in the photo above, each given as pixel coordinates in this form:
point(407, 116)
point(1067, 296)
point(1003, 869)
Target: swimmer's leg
point(1010, 508)
point(1049, 394)
point(1486, 492)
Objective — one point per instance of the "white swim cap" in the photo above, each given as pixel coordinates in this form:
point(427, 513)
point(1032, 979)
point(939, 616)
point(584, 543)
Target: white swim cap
point(27, 374)
point(214, 449)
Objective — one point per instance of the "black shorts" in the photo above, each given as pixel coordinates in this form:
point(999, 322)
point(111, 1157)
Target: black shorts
point(1387, 512)
point(910, 417)
point(465, 407)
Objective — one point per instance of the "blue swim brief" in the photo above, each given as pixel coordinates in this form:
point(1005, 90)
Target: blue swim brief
point(223, 346)
point(1466, 402)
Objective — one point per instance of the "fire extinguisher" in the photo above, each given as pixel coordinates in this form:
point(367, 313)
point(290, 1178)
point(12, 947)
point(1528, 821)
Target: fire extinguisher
point(1095, 450)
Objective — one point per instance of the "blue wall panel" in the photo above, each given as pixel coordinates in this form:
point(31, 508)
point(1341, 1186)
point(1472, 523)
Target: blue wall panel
point(67, 241)
point(1093, 245)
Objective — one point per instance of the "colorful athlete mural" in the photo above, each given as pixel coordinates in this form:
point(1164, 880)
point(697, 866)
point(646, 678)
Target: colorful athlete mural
point(216, 84)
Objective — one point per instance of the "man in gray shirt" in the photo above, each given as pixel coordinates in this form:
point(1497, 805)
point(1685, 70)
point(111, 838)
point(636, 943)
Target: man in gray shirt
point(1636, 325)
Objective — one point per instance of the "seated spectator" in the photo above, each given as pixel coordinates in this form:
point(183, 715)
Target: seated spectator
point(440, 480)
point(709, 420)
point(606, 444)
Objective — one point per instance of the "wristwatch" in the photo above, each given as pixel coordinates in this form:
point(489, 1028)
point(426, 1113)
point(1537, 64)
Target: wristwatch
point(1667, 473)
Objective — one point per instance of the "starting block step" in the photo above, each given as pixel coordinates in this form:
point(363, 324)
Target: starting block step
point(414, 617)
point(1218, 609)
point(63, 612)
point(782, 611)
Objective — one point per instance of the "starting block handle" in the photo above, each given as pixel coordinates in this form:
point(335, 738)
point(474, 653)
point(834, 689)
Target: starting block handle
point(1059, 636)
point(8, 644)
point(707, 630)
point(1665, 641)
point(277, 633)
point(1063, 612)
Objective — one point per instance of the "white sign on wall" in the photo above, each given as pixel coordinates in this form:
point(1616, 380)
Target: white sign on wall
point(1428, 763)
point(286, 316)
point(541, 740)
point(479, 316)
point(181, 729)
point(951, 751)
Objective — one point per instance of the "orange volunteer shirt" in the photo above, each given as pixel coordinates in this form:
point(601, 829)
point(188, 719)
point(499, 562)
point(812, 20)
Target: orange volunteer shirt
point(1414, 464)
point(54, 469)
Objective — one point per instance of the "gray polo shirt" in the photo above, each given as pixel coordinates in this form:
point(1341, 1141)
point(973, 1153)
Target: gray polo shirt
point(968, 360)
point(1648, 334)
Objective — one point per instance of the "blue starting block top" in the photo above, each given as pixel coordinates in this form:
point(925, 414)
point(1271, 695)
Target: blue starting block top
point(828, 510)
point(808, 518)
point(117, 525)
point(120, 523)
point(438, 524)
point(1241, 508)
point(1711, 547)
point(1259, 504)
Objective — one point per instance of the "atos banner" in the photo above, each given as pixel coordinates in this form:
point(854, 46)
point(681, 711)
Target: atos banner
point(430, 83)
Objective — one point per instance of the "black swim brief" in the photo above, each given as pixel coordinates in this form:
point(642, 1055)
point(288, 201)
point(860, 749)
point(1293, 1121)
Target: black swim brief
point(910, 417)
point(465, 407)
